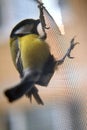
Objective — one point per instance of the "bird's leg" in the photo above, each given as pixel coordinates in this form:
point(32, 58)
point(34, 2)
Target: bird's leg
point(42, 19)
point(34, 93)
point(72, 45)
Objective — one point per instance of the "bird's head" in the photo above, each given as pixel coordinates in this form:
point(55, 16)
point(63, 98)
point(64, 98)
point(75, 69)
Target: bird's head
point(27, 26)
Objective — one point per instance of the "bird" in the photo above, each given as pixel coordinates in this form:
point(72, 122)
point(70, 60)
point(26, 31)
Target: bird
point(32, 59)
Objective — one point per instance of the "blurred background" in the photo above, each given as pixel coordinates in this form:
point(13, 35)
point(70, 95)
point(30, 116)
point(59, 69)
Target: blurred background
point(65, 97)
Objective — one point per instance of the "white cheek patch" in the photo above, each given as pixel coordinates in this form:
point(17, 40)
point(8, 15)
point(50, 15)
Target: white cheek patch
point(25, 29)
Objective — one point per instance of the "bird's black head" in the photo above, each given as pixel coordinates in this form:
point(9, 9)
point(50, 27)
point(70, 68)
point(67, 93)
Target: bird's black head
point(27, 26)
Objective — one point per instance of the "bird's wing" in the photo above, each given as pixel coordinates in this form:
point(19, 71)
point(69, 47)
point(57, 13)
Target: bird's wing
point(48, 71)
point(16, 55)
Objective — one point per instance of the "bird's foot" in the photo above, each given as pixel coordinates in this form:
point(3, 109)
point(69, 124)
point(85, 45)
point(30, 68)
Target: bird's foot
point(72, 45)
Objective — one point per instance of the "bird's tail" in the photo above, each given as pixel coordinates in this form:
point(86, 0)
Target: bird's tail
point(18, 91)
point(22, 88)
point(34, 92)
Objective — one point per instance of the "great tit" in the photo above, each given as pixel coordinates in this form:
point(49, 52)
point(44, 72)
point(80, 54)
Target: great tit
point(32, 59)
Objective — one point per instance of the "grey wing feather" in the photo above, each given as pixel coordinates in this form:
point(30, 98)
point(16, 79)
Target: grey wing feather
point(16, 56)
point(19, 63)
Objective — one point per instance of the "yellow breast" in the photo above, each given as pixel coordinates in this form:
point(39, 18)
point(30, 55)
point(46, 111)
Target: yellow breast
point(34, 51)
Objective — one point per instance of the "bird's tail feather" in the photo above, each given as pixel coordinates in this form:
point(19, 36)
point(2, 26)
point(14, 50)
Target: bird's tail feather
point(18, 91)
point(34, 93)
point(22, 88)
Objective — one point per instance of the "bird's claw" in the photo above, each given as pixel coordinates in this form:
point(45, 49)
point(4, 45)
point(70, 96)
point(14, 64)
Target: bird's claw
point(70, 56)
point(72, 45)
